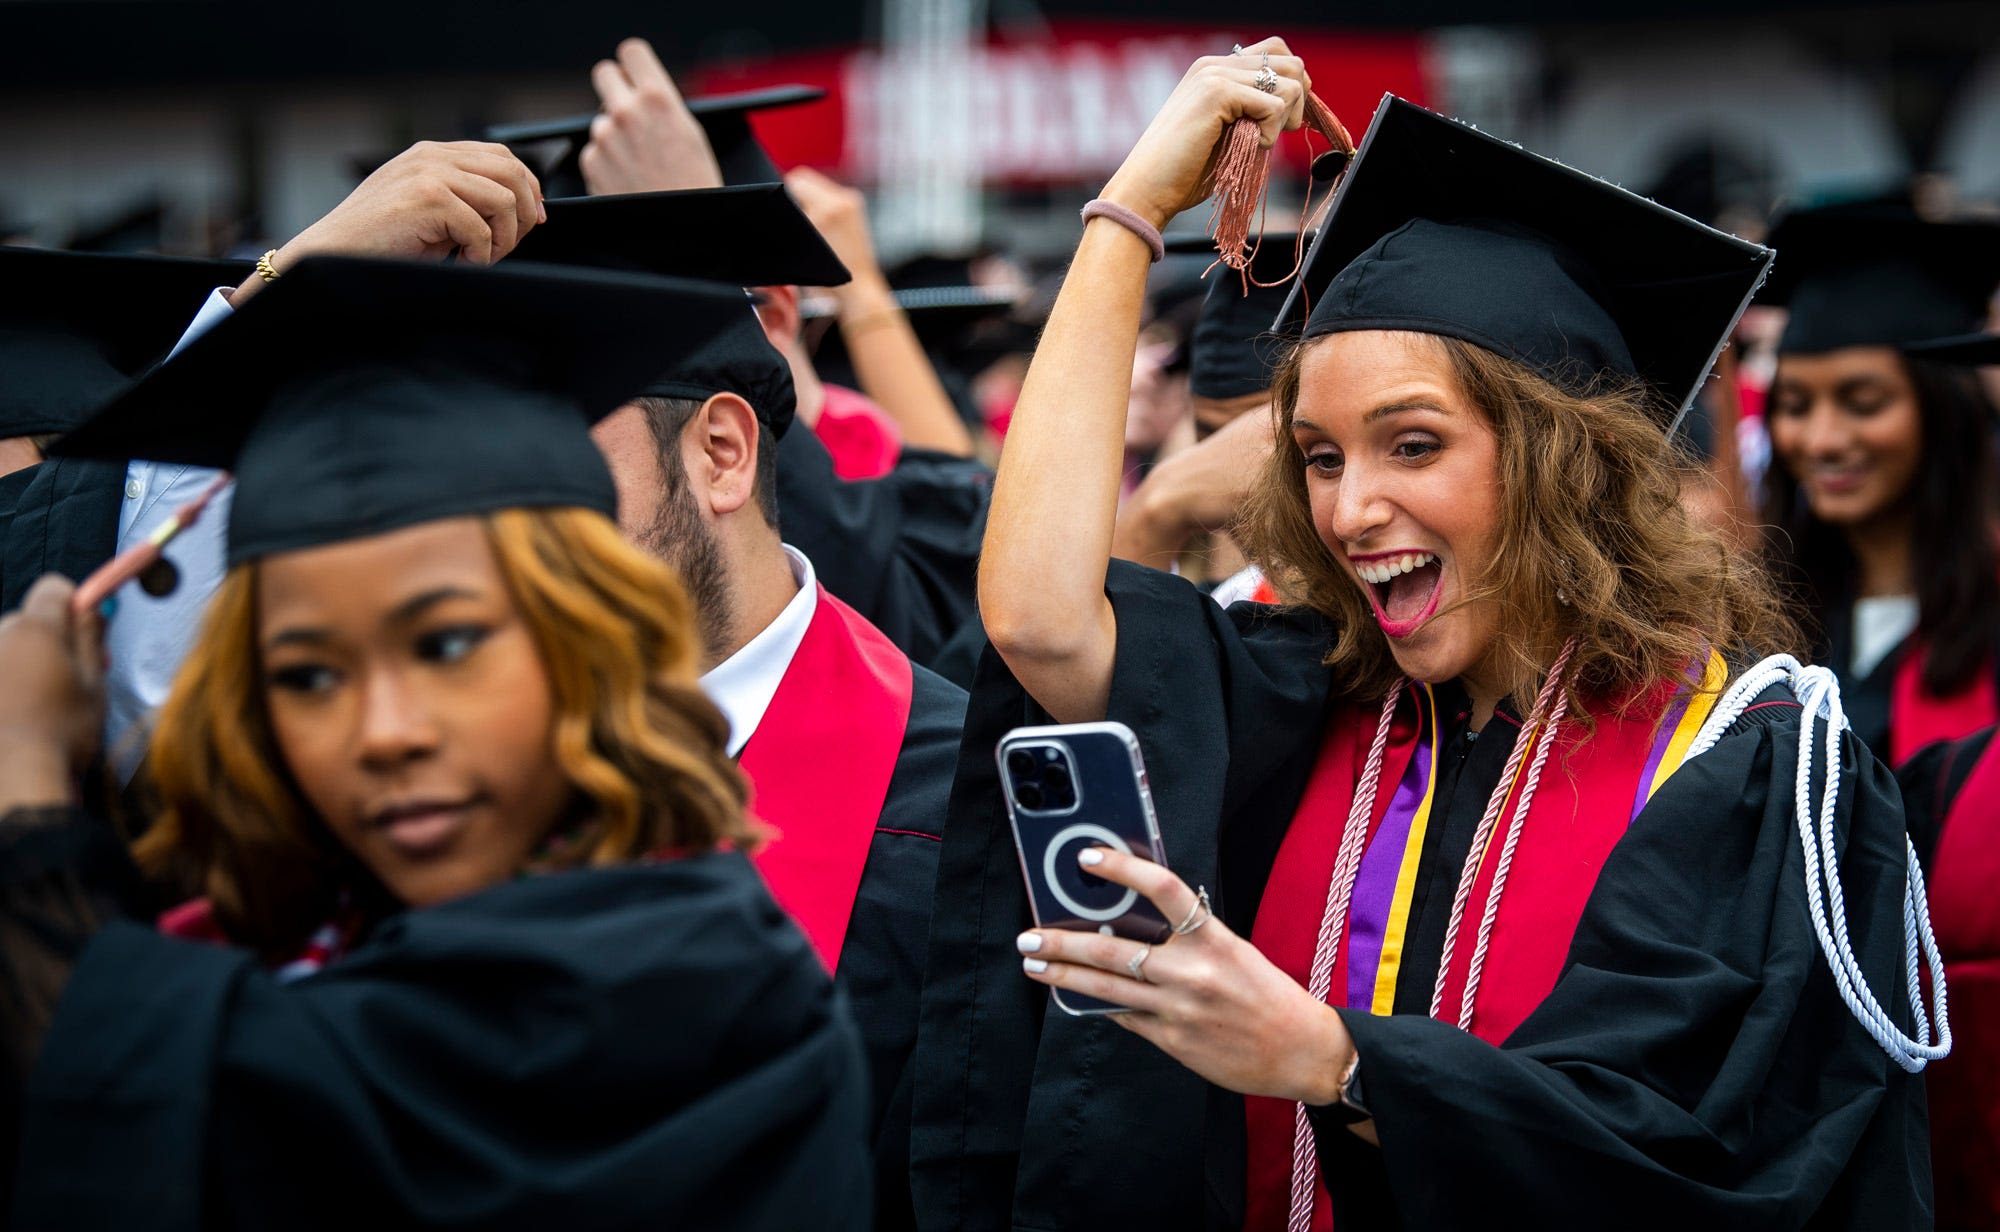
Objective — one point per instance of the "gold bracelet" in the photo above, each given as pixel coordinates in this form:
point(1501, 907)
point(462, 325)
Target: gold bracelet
point(869, 320)
point(265, 270)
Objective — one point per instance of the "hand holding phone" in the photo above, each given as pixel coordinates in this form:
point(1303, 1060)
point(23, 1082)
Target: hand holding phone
point(1070, 787)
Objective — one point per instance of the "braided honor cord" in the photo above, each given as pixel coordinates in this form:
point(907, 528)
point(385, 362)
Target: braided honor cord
point(1819, 693)
point(1339, 894)
point(1539, 731)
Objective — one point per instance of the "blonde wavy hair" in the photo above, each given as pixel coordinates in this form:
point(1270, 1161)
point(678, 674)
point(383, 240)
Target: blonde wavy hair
point(643, 747)
point(1590, 499)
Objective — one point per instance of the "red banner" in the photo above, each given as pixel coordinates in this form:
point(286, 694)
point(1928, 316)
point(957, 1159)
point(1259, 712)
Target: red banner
point(1064, 108)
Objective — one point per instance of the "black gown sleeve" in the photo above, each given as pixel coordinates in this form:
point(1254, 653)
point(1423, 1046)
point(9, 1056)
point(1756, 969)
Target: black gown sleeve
point(632, 1047)
point(1694, 1066)
point(1029, 1118)
point(64, 520)
point(882, 957)
point(63, 876)
point(903, 550)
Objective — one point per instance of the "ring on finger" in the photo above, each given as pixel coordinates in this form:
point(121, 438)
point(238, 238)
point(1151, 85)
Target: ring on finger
point(1136, 967)
point(1198, 915)
point(1236, 49)
point(1266, 80)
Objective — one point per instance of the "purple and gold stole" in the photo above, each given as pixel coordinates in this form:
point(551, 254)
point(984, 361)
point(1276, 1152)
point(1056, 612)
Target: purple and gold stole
point(1591, 792)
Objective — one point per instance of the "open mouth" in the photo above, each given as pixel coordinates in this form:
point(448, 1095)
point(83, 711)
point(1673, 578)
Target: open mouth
point(1403, 588)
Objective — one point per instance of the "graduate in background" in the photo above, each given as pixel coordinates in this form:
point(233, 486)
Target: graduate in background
point(1506, 917)
point(440, 767)
point(900, 548)
point(848, 745)
point(1881, 493)
point(1952, 792)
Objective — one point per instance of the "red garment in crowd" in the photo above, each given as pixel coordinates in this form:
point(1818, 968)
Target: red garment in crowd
point(864, 441)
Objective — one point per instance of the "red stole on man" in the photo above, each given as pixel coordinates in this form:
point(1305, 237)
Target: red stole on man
point(1593, 788)
point(819, 766)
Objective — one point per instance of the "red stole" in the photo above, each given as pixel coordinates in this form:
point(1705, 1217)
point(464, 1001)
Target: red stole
point(1918, 717)
point(1587, 797)
point(1964, 1088)
point(819, 766)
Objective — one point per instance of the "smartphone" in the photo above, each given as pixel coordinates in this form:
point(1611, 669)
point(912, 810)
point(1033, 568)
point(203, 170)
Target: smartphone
point(1072, 786)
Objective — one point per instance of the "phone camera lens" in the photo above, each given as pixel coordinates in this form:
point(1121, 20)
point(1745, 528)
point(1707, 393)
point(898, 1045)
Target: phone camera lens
point(1028, 795)
point(1021, 764)
point(1057, 786)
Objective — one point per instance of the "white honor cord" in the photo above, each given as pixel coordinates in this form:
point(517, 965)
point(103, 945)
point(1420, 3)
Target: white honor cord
point(1819, 693)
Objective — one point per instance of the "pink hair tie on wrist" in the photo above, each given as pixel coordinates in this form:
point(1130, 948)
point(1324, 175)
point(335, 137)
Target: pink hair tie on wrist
point(1129, 220)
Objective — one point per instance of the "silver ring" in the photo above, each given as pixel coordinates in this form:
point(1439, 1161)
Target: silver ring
point(1266, 80)
point(1136, 968)
point(1197, 915)
point(1236, 49)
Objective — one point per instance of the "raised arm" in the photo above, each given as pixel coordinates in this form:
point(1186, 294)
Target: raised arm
point(889, 360)
point(1048, 538)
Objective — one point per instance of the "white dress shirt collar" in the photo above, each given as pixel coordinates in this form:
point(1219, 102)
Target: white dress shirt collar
point(743, 685)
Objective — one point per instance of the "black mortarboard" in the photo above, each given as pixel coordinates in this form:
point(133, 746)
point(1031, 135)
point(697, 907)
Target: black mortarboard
point(724, 117)
point(1233, 351)
point(1442, 229)
point(754, 236)
point(1976, 349)
point(74, 327)
point(1875, 274)
point(354, 397)
point(750, 236)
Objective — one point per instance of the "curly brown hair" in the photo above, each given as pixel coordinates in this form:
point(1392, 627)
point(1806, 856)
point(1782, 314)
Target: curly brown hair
point(641, 744)
point(1591, 507)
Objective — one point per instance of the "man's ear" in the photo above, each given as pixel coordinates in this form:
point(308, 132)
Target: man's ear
point(728, 436)
point(778, 313)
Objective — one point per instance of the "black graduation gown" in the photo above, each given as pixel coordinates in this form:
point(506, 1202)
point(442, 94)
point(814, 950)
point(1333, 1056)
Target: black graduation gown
point(882, 955)
point(903, 550)
point(62, 518)
point(1693, 1067)
point(642, 1046)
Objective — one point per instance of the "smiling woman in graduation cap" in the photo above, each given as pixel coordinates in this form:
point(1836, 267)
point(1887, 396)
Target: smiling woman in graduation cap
point(1511, 923)
point(1881, 492)
point(434, 673)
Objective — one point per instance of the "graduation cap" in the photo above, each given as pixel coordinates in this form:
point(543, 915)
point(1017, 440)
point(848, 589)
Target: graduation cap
point(1876, 274)
point(753, 235)
point(962, 325)
point(1232, 351)
point(725, 118)
point(1975, 349)
point(75, 327)
point(354, 397)
point(1442, 229)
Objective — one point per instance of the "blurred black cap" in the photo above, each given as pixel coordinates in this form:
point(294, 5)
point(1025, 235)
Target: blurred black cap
point(1233, 350)
point(75, 327)
point(1876, 274)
